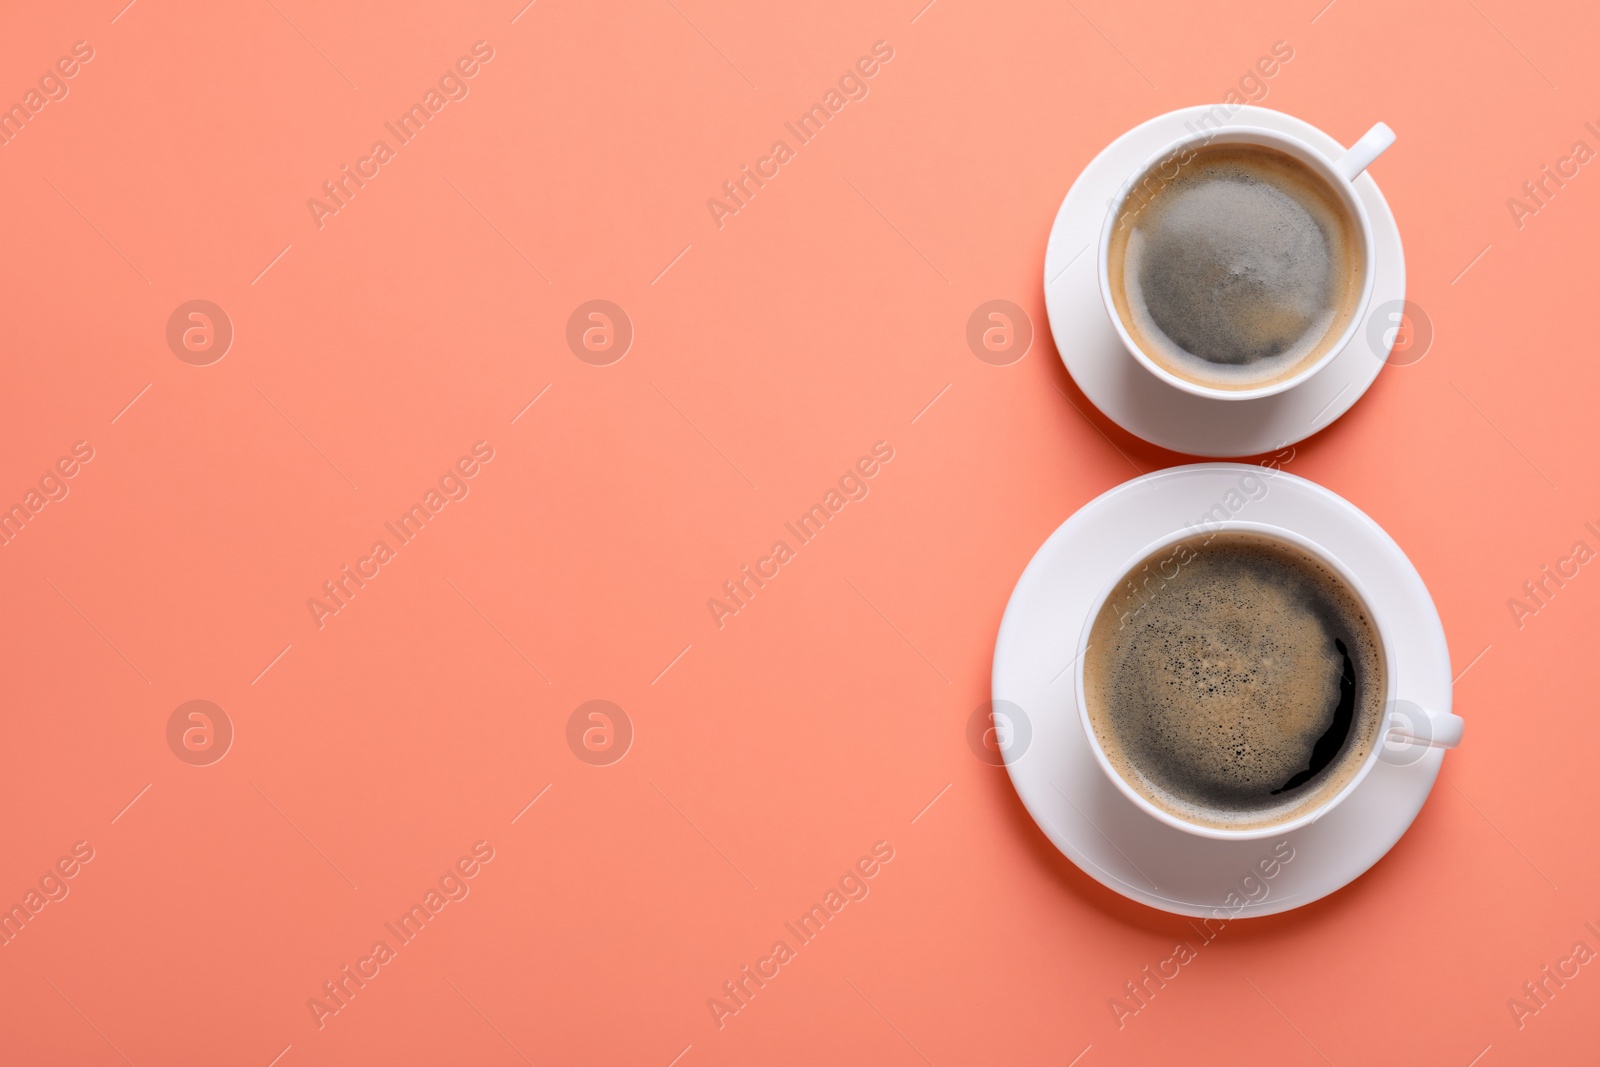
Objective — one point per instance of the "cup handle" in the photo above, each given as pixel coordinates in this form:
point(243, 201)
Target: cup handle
point(1361, 155)
point(1410, 731)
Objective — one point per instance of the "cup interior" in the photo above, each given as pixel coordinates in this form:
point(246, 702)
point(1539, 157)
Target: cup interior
point(1170, 159)
point(1295, 540)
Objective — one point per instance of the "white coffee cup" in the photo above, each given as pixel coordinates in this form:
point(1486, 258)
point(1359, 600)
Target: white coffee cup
point(1339, 173)
point(1404, 736)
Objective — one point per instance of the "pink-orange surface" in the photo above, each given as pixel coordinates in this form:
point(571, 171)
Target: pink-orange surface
point(286, 282)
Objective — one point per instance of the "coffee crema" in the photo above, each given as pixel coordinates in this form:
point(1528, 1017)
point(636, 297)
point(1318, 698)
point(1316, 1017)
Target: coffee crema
point(1235, 682)
point(1235, 266)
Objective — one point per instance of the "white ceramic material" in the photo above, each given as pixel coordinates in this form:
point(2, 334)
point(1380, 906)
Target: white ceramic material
point(1339, 173)
point(1098, 826)
point(1437, 728)
point(1148, 405)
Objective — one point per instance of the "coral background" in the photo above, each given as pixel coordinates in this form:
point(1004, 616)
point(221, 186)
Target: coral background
point(768, 355)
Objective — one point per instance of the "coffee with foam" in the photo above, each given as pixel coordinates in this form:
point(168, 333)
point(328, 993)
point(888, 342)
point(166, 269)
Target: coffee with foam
point(1235, 266)
point(1236, 682)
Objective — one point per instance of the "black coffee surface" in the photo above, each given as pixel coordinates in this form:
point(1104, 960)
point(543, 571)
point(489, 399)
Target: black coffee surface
point(1236, 268)
point(1235, 683)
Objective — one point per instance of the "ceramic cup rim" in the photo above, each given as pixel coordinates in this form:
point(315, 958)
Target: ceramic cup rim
point(1242, 133)
point(1385, 651)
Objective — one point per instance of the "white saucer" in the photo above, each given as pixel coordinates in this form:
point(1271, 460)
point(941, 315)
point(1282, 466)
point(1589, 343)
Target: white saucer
point(1134, 398)
point(1070, 796)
